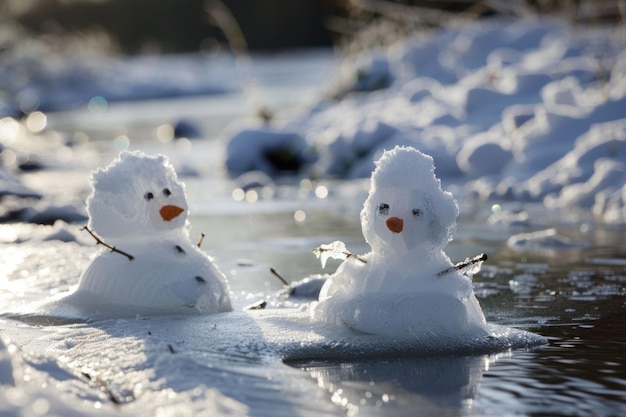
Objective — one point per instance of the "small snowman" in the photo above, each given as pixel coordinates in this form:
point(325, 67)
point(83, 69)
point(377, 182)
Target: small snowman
point(138, 209)
point(406, 287)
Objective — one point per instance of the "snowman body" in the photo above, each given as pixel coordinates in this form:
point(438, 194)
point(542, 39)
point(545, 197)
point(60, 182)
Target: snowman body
point(398, 291)
point(139, 207)
point(166, 275)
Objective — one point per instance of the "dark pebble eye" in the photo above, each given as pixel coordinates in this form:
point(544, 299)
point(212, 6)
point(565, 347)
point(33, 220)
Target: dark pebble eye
point(200, 280)
point(417, 212)
point(148, 196)
point(167, 192)
point(179, 249)
point(383, 209)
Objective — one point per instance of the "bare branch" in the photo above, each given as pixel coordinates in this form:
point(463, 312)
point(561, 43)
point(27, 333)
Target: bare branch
point(462, 265)
point(112, 248)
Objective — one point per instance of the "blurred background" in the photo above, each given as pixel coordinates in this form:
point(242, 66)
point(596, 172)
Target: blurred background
point(52, 52)
point(166, 26)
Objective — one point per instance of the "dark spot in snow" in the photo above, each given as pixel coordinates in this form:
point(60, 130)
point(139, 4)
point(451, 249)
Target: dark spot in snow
point(200, 280)
point(179, 249)
point(171, 348)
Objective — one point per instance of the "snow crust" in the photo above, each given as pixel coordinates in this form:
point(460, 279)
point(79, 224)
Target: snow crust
point(396, 290)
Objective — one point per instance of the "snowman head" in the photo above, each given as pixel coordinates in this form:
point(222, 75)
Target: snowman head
point(136, 195)
point(406, 211)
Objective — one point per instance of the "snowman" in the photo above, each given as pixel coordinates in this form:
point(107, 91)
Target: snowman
point(406, 287)
point(138, 209)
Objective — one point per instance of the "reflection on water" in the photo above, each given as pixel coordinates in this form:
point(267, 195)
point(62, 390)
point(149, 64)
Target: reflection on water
point(434, 386)
point(582, 373)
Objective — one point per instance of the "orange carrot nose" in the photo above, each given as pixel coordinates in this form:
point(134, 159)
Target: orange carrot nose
point(395, 224)
point(170, 212)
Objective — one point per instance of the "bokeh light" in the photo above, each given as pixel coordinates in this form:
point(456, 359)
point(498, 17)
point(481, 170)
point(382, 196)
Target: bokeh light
point(9, 130)
point(122, 142)
point(321, 191)
point(28, 101)
point(252, 196)
point(98, 104)
point(165, 133)
point(238, 194)
point(36, 122)
point(299, 216)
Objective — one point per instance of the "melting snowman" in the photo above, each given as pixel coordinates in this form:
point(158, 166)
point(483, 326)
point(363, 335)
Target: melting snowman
point(406, 287)
point(138, 209)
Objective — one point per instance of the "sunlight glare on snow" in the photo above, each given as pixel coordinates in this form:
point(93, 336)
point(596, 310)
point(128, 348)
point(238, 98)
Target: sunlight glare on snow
point(11, 258)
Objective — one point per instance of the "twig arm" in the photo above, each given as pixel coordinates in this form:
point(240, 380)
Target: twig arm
point(112, 248)
point(462, 265)
point(338, 254)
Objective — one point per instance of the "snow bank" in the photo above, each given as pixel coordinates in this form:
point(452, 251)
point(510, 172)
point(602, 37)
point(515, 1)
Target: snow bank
point(83, 79)
point(500, 105)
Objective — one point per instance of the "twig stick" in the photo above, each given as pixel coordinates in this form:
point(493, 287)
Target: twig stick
point(357, 257)
point(345, 253)
point(200, 239)
point(462, 265)
point(101, 242)
point(277, 275)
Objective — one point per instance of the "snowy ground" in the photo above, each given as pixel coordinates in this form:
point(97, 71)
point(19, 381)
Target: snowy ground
point(472, 114)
